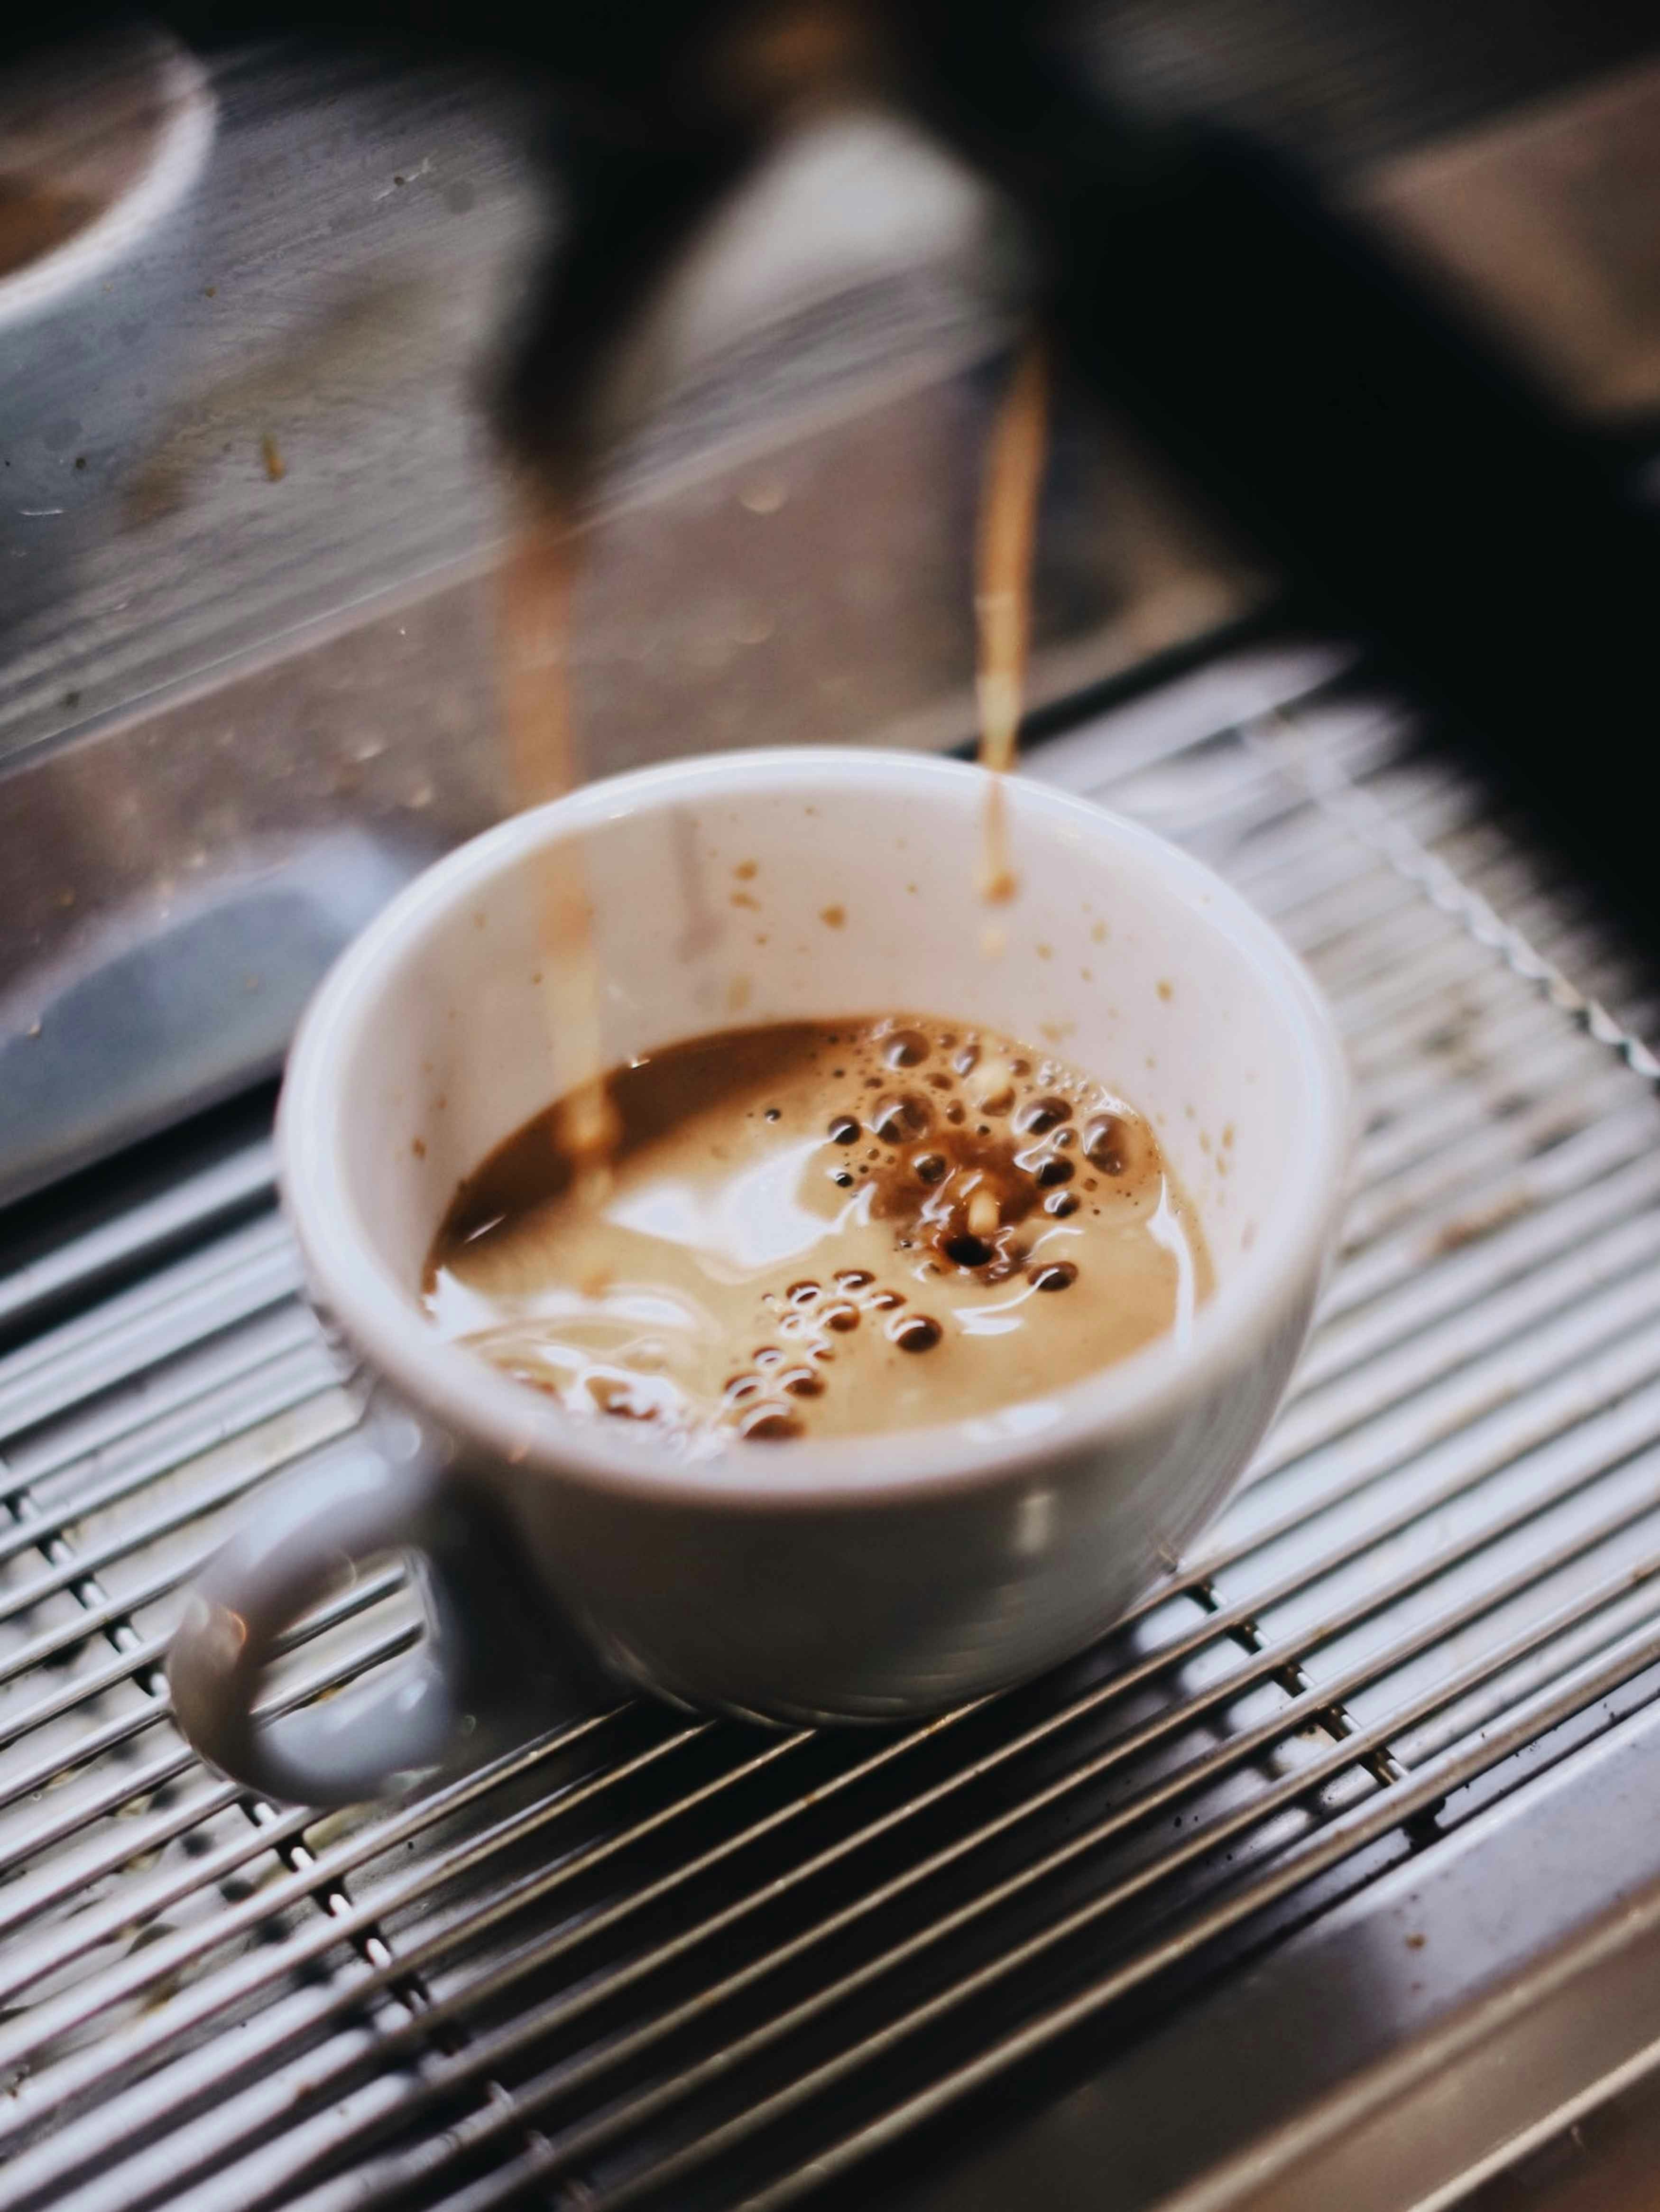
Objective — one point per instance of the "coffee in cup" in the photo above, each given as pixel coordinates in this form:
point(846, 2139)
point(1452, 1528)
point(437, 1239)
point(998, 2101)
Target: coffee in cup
point(823, 1228)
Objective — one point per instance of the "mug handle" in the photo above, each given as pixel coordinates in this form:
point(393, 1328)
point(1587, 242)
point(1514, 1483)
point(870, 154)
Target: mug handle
point(374, 1737)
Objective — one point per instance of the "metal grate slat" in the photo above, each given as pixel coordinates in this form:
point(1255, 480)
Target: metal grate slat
point(190, 1210)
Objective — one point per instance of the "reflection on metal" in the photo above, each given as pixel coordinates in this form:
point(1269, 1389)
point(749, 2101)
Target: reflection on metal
point(183, 1001)
point(1272, 1865)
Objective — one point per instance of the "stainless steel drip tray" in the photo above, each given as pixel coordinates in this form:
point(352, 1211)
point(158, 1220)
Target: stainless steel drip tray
point(1461, 2008)
point(1330, 1877)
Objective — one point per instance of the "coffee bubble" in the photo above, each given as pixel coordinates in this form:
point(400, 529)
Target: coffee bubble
point(897, 1119)
point(905, 1049)
point(1040, 1115)
point(915, 1332)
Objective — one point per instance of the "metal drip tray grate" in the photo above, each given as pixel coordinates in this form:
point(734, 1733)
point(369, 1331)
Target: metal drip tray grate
point(644, 1960)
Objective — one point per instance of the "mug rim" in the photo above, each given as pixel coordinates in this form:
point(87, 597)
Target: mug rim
point(179, 138)
point(475, 1403)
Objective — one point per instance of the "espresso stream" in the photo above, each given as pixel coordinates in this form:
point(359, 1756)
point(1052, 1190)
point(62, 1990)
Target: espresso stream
point(1002, 598)
point(543, 759)
point(536, 585)
point(818, 1228)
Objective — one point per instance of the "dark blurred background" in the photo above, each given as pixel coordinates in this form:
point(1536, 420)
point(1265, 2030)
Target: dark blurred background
point(250, 503)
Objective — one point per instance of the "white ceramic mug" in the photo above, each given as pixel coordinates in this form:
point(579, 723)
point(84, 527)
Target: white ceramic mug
point(864, 1578)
